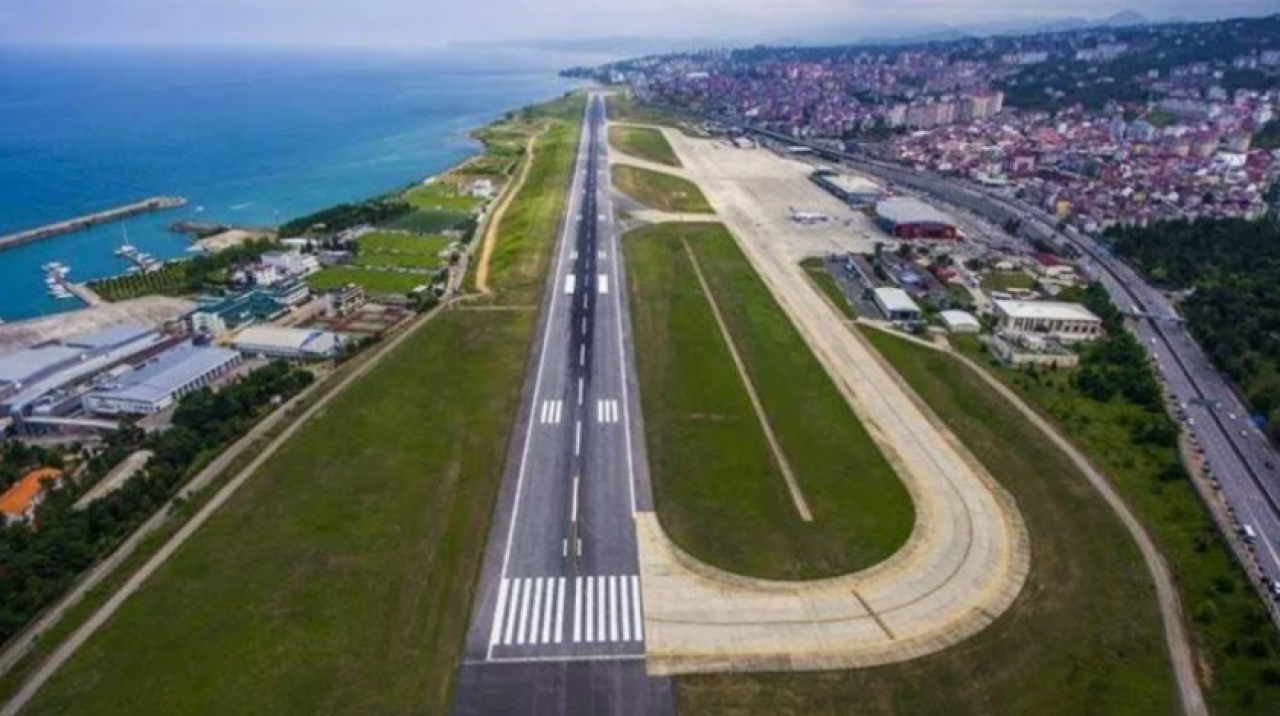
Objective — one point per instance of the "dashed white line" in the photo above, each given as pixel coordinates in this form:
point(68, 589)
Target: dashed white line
point(577, 438)
point(573, 515)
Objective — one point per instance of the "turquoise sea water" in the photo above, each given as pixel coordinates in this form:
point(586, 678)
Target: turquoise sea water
point(249, 137)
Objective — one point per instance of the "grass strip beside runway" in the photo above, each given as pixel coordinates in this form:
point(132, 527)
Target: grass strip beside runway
point(339, 579)
point(1084, 637)
point(664, 192)
point(720, 494)
point(643, 143)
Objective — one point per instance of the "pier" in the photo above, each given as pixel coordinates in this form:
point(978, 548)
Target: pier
point(158, 203)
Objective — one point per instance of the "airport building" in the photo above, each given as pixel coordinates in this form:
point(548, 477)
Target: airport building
point(299, 344)
point(1068, 322)
point(906, 218)
point(854, 191)
point(160, 383)
point(44, 383)
point(896, 305)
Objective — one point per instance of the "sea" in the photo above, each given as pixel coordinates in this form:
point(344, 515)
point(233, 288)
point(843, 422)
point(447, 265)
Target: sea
point(250, 137)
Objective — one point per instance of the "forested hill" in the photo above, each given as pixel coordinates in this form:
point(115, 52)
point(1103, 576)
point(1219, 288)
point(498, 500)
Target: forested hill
point(1233, 266)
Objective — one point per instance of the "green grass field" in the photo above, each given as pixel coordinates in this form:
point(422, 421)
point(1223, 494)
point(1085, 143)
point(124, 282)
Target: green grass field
point(170, 280)
point(1006, 280)
point(428, 221)
point(816, 270)
point(375, 282)
point(440, 196)
point(520, 259)
point(720, 494)
point(414, 261)
point(625, 109)
point(1226, 616)
point(381, 242)
point(1084, 637)
point(643, 144)
point(663, 192)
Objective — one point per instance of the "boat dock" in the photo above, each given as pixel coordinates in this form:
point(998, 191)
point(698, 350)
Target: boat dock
point(158, 203)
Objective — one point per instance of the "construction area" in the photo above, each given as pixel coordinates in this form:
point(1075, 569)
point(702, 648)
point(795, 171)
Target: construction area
point(968, 555)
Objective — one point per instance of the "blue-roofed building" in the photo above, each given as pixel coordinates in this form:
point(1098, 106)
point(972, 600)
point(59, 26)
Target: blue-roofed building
point(158, 384)
point(219, 315)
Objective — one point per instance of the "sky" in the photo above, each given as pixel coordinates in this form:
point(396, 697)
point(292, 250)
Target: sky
point(437, 23)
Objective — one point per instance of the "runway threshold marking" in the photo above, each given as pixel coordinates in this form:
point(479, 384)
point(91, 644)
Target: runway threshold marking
point(552, 411)
point(607, 411)
point(603, 283)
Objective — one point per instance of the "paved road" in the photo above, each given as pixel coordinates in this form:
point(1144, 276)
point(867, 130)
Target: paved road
point(558, 627)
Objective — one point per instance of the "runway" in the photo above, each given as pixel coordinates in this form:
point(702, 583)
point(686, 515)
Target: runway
point(558, 626)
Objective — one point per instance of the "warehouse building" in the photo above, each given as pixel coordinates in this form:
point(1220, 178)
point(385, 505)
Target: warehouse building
point(896, 305)
point(287, 343)
point(852, 190)
point(160, 383)
point(906, 218)
point(1068, 322)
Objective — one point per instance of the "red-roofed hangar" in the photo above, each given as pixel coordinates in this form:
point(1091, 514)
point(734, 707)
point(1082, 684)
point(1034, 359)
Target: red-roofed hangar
point(906, 218)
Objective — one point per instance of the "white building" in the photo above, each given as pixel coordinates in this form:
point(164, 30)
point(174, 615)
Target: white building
point(1068, 322)
point(896, 305)
point(158, 384)
point(287, 343)
point(960, 322)
point(291, 263)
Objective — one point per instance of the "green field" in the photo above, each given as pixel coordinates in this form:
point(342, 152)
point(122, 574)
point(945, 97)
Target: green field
point(1084, 637)
point(663, 192)
point(339, 579)
point(816, 270)
point(643, 143)
point(720, 494)
point(1230, 624)
point(375, 282)
point(381, 242)
point(625, 109)
point(442, 196)
point(519, 262)
point(429, 221)
point(1006, 280)
point(414, 261)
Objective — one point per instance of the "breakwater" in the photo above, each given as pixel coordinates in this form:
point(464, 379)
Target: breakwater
point(158, 203)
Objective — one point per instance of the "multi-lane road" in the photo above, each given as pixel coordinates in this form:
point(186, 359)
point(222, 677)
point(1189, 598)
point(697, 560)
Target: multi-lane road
point(558, 625)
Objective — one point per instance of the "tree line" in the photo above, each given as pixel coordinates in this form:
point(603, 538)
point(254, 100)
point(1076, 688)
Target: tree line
point(1229, 273)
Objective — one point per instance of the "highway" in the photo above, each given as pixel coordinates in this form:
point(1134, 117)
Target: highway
point(557, 626)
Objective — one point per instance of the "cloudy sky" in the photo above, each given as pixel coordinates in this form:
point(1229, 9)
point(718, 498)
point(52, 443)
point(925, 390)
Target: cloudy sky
point(427, 23)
